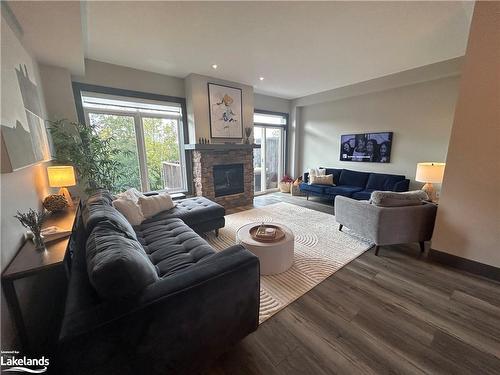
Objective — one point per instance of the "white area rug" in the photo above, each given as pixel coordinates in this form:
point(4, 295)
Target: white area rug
point(320, 250)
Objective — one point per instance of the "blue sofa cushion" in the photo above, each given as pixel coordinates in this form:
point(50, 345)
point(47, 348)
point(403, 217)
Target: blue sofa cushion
point(363, 195)
point(403, 185)
point(353, 178)
point(316, 189)
point(345, 191)
point(335, 172)
point(381, 181)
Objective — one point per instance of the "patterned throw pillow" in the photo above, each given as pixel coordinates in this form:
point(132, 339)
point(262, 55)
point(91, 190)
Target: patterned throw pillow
point(323, 180)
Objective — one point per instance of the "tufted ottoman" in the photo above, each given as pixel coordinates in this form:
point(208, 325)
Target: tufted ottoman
point(200, 213)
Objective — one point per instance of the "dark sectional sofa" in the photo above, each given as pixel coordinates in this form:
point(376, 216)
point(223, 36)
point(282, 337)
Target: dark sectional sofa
point(154, 298)
point(354, 184)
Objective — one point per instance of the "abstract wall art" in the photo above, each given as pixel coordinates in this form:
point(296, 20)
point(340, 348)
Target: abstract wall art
point(225, 107)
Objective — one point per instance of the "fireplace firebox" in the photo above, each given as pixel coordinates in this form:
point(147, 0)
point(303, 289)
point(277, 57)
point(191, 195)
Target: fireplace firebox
point(228, 179)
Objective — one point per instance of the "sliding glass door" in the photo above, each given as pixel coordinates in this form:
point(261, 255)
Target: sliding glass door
point(269, 159)
point(150, 136)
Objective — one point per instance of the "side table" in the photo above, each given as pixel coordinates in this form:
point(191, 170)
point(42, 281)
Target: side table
point(28, 262)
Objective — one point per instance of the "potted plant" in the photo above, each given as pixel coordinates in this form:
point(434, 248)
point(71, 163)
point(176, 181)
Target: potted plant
point(33, 220)
point(97, 159)
point(285, 184)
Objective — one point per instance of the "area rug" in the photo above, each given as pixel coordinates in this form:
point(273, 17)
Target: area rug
point(320, 250)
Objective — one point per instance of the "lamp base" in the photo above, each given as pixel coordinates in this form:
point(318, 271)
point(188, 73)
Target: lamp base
point(431, 192)
point(67, 195)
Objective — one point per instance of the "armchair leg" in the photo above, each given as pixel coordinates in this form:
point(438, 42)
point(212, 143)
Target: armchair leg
point(217, 232)
point(377, 247)
point(340, 227)
point(422, 246)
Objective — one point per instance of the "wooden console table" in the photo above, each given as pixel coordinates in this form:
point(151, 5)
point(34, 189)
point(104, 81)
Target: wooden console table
point(28, 262)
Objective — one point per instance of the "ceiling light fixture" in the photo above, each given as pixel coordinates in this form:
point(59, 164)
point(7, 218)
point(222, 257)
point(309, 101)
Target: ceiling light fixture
point(261, 78)
point(214, 66)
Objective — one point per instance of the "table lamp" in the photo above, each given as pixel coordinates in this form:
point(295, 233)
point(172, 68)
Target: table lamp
point(430, 173)
point(62, 176)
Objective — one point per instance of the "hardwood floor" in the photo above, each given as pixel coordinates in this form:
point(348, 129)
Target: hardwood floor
point(395, 313)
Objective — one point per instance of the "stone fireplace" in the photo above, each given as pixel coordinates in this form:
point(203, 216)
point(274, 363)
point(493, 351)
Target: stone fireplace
point(223, 173)
point(228, 179)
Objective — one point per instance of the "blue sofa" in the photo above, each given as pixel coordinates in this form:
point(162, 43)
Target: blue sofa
point(354, 184)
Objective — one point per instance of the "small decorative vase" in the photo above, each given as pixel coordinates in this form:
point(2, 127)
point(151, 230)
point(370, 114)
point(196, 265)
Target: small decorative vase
point(38, 241)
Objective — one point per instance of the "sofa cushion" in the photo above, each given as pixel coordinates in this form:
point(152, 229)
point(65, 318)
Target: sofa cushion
point(117, 266)
point(100, 197)
point(171, 245)
point(95, 214)
point(353, 178)
point(363, 195)
point(336, 174)
point(392, 199)
point(316, 189)
point(380, 181)
point(192, 211)
point(346, 191)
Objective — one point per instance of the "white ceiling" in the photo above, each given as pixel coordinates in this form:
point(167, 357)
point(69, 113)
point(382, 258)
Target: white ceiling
point(52, 32)
point(299, 47)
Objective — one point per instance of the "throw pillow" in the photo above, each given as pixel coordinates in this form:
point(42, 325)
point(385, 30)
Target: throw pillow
point(393, 199)
point(150, 206)
point(316, 172)
point(130, 209)
point(132, 194)
point(323, 180)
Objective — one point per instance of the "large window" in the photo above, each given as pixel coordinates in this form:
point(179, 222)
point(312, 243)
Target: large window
point(269, 159)
point(149, 133)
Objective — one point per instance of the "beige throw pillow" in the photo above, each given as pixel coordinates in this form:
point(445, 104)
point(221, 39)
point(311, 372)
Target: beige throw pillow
point(322, 180)
point(132, 194)
point(154, 204)
point(316, 172)
point(130, 209)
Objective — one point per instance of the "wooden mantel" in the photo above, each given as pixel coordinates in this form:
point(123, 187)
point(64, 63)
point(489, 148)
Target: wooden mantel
point(220, 146)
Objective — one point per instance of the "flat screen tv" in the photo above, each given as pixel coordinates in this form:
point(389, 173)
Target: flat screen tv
point(366, 147)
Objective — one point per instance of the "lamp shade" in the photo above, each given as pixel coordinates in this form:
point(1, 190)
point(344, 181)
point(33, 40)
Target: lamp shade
point(430, 172)
point(61, 175)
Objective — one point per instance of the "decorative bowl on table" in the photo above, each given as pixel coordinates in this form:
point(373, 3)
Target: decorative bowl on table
point(267, 233)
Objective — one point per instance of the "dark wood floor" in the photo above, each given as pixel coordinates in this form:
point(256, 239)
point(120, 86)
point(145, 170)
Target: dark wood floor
point(395, 313)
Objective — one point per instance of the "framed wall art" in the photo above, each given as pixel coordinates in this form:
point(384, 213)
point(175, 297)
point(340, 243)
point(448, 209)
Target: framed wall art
point(225, 107)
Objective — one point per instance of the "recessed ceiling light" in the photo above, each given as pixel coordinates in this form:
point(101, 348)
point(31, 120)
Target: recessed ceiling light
point(214, 66)
point(261, 78)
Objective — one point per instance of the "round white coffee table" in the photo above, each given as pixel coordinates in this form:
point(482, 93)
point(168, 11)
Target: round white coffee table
point(274, 257)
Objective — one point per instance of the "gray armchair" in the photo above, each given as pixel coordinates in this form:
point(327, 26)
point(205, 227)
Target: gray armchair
point(386, 225)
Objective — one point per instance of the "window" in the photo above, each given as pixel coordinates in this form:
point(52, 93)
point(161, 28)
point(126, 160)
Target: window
point(150, 134)
point(269, 159)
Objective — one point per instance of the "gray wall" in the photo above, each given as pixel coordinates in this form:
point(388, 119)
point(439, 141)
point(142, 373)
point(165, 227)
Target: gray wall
point(271, 103)
point(420, 115)
point(110, 75)
point(20, 190)
point(196, 89)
